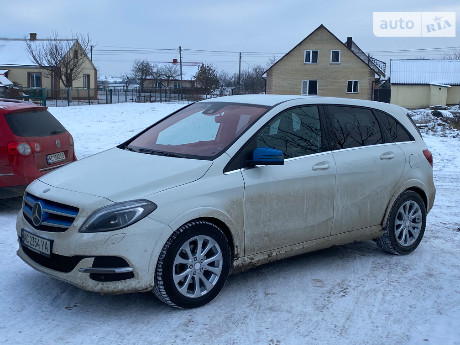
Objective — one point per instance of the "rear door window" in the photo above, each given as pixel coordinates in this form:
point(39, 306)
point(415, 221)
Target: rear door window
point(353, 127)
point(34, 124)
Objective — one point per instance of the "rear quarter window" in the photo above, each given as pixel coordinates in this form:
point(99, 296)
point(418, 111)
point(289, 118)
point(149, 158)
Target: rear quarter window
point(396, 131)
point(34, 123)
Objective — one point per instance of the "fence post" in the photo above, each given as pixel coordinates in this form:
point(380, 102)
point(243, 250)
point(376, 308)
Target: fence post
point(110, 91)
point(89, 97)
point(68, 96)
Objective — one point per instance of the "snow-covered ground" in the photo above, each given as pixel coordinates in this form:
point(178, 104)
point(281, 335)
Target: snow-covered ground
point(353, 294)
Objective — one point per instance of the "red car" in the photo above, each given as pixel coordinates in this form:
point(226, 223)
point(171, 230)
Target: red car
point(32, 143)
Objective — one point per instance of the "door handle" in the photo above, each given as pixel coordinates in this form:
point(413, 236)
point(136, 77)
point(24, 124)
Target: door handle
point(387, 155)
point(321, 166)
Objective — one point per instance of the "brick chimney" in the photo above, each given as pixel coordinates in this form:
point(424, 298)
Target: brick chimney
point(349, 42)
point(174, 61)
point(33, 36)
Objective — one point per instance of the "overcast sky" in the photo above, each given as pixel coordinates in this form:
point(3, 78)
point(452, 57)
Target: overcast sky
point(123, 31)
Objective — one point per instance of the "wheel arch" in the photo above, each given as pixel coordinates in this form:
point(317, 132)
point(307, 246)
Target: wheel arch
point(414, 188)
point(225, 229)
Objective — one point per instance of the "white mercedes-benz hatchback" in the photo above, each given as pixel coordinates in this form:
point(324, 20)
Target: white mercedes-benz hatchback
point(227, 184)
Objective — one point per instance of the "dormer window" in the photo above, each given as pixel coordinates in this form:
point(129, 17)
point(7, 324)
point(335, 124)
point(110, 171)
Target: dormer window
point(311, 56)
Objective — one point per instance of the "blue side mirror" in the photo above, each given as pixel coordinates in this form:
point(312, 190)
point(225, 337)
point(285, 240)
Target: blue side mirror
point(267, 156)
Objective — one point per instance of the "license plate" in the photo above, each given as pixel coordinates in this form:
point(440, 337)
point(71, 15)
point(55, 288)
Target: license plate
point(55, 157)
point(36, 243)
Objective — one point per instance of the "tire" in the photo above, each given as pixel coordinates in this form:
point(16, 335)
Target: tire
point(405, 225)
point(187, 277)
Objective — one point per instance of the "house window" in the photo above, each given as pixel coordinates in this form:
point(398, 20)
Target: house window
point(158, 85)
point(309, 87)
point(353, 86)
point(311, 56)
point(335, 56)
point(35, 79)
point(86, 83)
point(176, 85)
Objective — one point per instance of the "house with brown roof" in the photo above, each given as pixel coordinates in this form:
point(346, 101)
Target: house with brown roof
point(323, 65)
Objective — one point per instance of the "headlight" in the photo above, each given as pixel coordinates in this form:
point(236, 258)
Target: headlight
point(117, 216)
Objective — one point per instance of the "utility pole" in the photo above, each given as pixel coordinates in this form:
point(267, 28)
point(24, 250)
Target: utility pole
point(180, 64)
point(91, 48)
point(239, 75)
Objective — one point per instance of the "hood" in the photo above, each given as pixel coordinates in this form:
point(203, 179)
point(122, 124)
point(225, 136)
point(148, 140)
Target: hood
point(120, 175)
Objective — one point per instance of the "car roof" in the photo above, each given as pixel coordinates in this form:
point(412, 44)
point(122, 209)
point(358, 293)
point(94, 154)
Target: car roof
point(13, 105)
point(273, 100)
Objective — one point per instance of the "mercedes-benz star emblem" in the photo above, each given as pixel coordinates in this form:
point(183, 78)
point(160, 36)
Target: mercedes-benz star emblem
point(58, 143)
point(37, 213)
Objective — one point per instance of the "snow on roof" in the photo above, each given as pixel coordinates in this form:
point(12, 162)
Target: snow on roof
point(189, 71)
point(444, 72)
point(13, 52)
point(4, 80)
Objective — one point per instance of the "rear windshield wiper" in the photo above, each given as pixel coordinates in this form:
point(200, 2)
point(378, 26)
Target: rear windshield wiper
point(57, 131)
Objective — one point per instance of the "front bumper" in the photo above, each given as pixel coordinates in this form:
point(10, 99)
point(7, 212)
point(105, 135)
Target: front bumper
point(108, 262)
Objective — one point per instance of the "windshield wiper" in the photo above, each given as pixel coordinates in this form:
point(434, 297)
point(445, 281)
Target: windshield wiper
point(57, 131)
point(159, 153)
point(129, 148)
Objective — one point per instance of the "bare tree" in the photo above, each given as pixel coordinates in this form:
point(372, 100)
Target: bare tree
point(62, 59)
point(169, 72)
point(453, 55)
point(142, 69)
point(225, 79)
point(252, 81)
point(271, 61)
point(127, 80)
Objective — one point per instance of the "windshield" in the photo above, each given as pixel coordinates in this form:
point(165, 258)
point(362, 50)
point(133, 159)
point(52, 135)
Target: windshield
point(202, 130)
point(34, 124)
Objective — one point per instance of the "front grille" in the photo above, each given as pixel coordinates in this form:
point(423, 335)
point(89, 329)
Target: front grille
point(56, 217)
point(55, 262)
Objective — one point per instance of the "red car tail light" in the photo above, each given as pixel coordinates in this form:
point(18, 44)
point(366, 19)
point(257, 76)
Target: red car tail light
point(428, 156)
point(16, 149)
point(70, 139)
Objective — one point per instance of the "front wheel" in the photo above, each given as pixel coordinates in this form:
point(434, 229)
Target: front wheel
point(193, 265)
point(405, 225)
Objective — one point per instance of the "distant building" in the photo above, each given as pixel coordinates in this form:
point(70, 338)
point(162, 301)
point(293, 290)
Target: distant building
point(189, 71)
point(323, 65)
point(422, 83)
point(22, 70)
point(4, 81)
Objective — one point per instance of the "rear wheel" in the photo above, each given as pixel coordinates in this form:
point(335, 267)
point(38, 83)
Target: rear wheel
point(193, 265)
point(405, 225)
